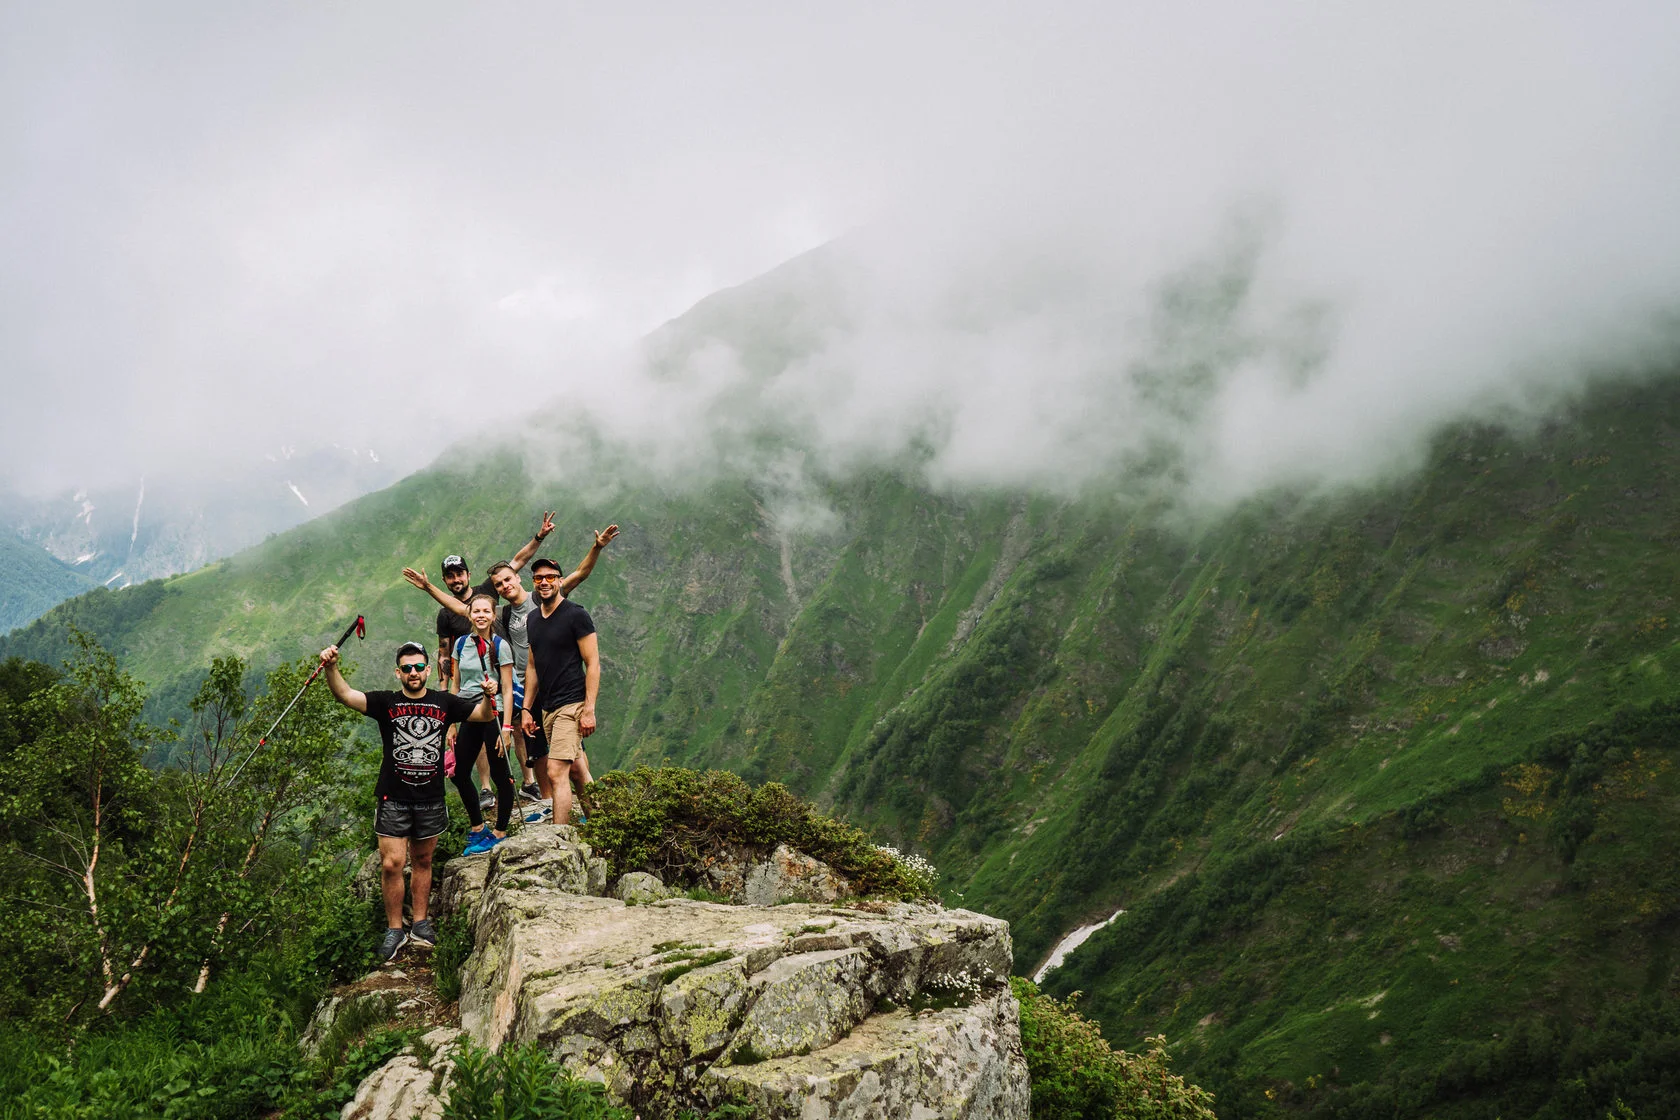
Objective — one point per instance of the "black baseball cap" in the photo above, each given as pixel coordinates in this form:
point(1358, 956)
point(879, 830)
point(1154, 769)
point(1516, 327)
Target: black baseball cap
point(453, 563)
point(411, 647)
point(543, 562)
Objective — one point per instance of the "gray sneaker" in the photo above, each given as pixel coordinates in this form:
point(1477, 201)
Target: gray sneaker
point(530, 792)
point(395, 939)
point(486, 799)
point(423, 934)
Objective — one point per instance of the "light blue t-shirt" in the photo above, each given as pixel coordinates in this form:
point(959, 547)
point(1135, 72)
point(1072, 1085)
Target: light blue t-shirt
point(474, 669)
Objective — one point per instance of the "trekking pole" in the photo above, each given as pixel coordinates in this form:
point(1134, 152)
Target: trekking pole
point(358, 628)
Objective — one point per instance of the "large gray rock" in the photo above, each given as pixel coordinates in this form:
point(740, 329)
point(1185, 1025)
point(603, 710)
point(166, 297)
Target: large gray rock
point(411, 1086)
point(806, 1010)
point(792, 876)
point(544, 855)
point(959, 1062)
point(636, 887)
point(651, 999)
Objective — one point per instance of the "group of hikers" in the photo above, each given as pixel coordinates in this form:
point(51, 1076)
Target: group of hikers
point(521, 679)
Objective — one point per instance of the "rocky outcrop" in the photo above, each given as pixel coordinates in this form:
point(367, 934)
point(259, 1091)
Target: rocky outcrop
point(408, 1087)
point(801, 1010)
point(637, 887)
point(792, 876)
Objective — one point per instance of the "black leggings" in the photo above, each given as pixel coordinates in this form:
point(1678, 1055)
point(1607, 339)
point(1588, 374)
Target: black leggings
point(469, 740)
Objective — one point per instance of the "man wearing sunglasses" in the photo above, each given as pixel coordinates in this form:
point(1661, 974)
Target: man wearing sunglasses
point(504, 581)
point(411, 813)
point(562, 677)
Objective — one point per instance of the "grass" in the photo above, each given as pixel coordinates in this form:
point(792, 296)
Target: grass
point(689, 964)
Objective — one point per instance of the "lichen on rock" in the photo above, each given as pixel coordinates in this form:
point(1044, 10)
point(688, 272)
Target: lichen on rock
point(800, 1008)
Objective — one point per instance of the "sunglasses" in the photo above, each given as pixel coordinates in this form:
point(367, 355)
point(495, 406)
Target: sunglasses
point(412, 667)
point(551, 578)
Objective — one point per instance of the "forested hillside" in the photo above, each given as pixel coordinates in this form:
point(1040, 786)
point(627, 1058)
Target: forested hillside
point(1385, 779)
point(36, 581)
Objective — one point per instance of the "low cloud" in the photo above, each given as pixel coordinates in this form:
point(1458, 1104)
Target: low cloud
point(1289, 262)
point(1208, 249)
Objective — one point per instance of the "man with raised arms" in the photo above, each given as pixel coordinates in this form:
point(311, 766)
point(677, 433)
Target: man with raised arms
point(452, 620)
point(562, 677)
point(411, 814)
point(504, 581)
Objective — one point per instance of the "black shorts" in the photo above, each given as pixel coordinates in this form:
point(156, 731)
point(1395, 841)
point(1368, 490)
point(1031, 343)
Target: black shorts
point(536, 746)
point(410, 820)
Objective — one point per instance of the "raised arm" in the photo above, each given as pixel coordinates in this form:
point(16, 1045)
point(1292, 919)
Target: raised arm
point(523, 556)
point(603, 538)
point(589, 650)
point(444, 598)
point(341, 690)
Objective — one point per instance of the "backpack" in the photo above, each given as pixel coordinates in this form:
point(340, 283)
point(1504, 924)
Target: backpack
point(495, 661)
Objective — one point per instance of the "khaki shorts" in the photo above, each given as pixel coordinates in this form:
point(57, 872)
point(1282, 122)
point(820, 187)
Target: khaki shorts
point(560, 727)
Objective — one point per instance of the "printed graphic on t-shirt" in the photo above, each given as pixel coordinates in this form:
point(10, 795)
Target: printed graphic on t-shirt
point(416, 742)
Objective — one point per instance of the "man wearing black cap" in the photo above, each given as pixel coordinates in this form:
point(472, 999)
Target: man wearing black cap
point(452, 609)
point(452, 623)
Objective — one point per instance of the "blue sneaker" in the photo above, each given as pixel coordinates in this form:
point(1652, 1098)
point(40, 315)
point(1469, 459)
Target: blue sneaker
point(476, 841)
point(539, 814)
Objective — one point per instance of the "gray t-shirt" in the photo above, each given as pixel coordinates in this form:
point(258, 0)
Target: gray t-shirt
point(474, 667)
point(515, 632)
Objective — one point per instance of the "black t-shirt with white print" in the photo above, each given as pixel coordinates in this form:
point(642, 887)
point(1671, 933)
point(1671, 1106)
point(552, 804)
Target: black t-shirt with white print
point(412, 731)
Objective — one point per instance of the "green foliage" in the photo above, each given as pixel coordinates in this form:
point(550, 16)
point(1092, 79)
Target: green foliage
point(125, 877)
point(35, 581)
point(454, 946)
point(522, 1083)
point(1076, 1075)
point(230, 1053)
point(670, 821)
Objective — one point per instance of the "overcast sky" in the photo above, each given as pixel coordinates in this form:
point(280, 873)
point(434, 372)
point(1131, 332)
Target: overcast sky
point(224, 228)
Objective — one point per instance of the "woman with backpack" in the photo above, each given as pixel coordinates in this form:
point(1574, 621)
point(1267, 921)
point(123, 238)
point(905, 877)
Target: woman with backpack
point(478, 655)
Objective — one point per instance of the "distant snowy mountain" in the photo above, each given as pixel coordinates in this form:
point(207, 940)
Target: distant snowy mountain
point(158, 526)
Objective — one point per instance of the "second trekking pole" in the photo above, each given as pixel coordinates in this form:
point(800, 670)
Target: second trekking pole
point(358, 628)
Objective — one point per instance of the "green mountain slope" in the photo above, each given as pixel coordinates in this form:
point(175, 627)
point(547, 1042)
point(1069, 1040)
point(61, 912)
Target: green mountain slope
point(1383, 780)
point(34, 581)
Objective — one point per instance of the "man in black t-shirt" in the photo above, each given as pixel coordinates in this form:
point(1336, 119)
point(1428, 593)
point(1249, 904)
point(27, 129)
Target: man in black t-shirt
point(452, 607)
point(411, 813)
point(562, 677)
point(452, 623)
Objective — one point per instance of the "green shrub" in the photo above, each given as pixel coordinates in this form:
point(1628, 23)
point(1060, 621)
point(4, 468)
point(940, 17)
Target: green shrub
point(1076, 1075)
point(522, 1083)
point(454, 946)
point(669, 821)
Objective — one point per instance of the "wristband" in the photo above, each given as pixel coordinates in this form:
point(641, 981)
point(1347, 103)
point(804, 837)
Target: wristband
point(507, 727)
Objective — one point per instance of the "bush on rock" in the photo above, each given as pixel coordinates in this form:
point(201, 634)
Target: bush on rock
point(1076, 1075)
point(673, 823)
